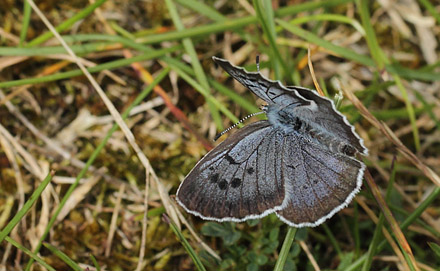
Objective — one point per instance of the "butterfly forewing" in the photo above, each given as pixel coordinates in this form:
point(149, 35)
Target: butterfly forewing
point(268, 90)
point(234, 181)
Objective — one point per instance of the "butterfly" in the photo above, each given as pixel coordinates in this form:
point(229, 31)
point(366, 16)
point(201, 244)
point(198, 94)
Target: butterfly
point(300, 163)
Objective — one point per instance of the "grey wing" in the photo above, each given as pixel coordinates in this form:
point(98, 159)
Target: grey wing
point(237, 180)
point(318, 182)
point(330, 120)
point(272, 92)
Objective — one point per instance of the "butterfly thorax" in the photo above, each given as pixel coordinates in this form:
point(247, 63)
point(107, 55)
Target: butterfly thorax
point(299, 121)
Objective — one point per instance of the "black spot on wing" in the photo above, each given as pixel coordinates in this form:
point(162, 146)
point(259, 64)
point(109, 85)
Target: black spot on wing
point(230, 160)
point(250, 170)
point(236, 182)
point(222, 184)
point(214, 178)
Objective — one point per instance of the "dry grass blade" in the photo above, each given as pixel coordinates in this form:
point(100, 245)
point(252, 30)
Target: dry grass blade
point(429, 173)
point(385, 232)
point(391, 220)
point(309, 255)
point(312, 72)
point(144, 224)
point(408, 154)
point(112, 230)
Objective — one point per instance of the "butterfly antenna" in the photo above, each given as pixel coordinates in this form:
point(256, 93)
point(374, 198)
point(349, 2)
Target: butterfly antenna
point(235, 125)
point(257, 61)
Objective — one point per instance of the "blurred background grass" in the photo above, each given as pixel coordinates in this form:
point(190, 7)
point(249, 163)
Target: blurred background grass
point(153, 61)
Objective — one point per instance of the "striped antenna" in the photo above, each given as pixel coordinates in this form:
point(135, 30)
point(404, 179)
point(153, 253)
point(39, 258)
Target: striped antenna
point(235, 125)
point(257, 61)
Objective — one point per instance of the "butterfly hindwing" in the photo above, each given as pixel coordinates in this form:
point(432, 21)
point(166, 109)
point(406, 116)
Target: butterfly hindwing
point(237, 180)
point(318, 182)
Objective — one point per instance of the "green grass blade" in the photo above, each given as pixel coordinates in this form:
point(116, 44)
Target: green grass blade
point(431, 9)
point(50, 50)
point(198, 70)
point(309, 6)
point(404, 225)
point(435, 248)
point(95, 262)
point(30, 253)
point(203, 9)
point(186, 245)
point(330, 17)
point(237, 98)
point(63, 257)
point(375, 50)
point(68, 23)
point(26, 207)
point(284, 252)
point(106, 66)
point(372, 249)
point(25, 23)
point(410, 109)
point(312, 38)
point(265, 16)
point(333, 240)
point(427, 108)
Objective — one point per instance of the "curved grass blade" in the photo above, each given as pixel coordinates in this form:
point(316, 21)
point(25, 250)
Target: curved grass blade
point(186, 245)
point(26, 207)
point(30, 253)
point(63, 257)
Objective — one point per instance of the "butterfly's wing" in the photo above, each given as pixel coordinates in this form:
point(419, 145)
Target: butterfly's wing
point(318, 182)
point(239, 179)
point(320, 110)
point(272, 92)
point(330, 120)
